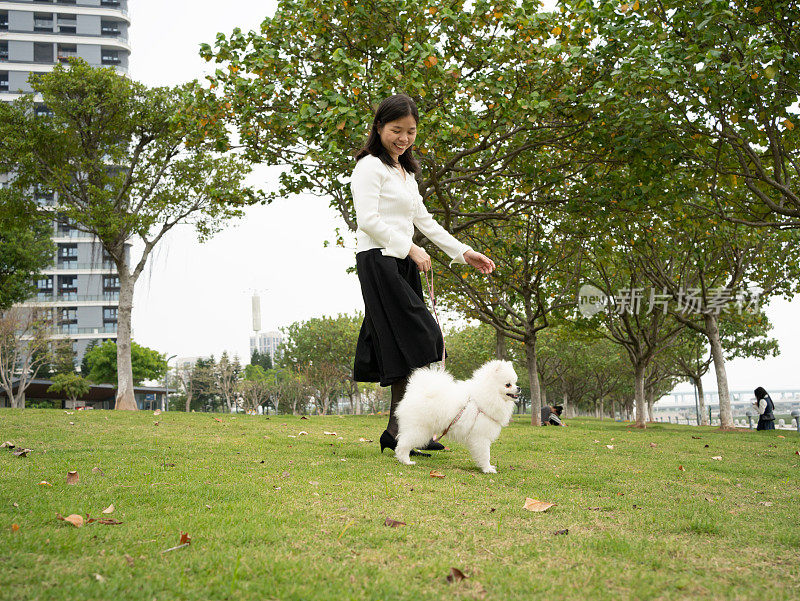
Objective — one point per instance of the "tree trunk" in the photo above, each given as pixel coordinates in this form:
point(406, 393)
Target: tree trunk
point(357, 400)
point(568, 412)
point(125, 396)
point(641, 402)
point(650, 393)
point(543, 394)
point(18, 401)
point(533, 376)
point(500, 349)
point(602, 409)
point(712, 332)
point(701, 402)
point(189, 396)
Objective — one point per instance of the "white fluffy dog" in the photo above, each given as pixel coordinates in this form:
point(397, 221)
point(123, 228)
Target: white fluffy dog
point(472, 412)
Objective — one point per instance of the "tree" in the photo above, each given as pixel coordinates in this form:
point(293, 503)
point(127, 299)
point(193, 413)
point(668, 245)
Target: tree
point(146, 363)
point(715, 83)
point(227, 378)
point(24, 348)
point(322, 349)
point(265, 361)
point(25, 246)
point(125, 161)
point(194, 379)
point(71, 385)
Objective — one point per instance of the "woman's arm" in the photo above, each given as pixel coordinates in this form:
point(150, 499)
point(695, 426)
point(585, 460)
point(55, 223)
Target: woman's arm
point(366, 187)
point(438, 235)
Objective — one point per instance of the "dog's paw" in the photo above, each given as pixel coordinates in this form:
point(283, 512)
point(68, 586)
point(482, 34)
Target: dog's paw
point(490, 470)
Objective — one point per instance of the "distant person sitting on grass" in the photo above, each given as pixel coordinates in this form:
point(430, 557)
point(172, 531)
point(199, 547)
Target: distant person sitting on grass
point(766, 410)
point(551, 416)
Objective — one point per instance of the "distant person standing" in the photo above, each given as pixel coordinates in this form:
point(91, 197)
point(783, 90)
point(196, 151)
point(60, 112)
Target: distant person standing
point(766, 410)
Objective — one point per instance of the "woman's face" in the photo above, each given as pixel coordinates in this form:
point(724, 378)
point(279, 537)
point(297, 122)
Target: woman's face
point(398, 135)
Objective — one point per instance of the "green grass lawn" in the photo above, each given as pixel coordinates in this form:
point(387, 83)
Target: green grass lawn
point(274, 514)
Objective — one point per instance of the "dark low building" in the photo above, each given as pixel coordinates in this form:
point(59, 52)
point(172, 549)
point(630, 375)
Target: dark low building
point(101, 396)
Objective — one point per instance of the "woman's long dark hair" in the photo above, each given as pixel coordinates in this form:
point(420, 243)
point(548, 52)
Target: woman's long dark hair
point(392, 108)
point(760, 393)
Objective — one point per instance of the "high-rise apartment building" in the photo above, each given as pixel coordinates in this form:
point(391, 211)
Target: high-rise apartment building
point(80, 291)
point(267, 343)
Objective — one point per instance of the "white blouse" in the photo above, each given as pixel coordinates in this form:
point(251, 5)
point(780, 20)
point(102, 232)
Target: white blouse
point(388, 206)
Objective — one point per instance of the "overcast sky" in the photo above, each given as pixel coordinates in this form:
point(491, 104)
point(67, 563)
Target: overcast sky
point(194, 299)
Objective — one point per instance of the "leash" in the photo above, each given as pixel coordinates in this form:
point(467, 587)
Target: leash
point(479, 411)
point(431, 295)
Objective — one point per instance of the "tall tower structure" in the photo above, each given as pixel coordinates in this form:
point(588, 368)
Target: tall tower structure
point(80, 290)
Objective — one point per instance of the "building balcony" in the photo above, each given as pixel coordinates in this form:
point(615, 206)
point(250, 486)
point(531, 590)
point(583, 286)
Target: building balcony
point(44, 299)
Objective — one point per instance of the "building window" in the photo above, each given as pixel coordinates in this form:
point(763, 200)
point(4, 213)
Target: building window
point(109, 316)
point(110, 57)
point(3, 51)
point(44, 288)
point(67, 24)
point(69, 316)
point(42, 22)
point(114, 3)
point(110, 283)
point(42, 53)
point(67, 51)
point(67, 255)
point(109, 28)
point(42, 111)
point(3, 81)
point(3, 20)
point(68, 286)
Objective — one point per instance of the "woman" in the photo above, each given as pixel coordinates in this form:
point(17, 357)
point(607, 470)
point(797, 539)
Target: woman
point(766, 410)
point(398, 333)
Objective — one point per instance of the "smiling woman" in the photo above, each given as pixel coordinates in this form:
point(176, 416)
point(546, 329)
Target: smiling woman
point(398, 333)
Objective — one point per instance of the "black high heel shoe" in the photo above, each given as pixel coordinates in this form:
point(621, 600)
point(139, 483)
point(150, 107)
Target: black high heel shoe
point(433, 446)
point(390, 442)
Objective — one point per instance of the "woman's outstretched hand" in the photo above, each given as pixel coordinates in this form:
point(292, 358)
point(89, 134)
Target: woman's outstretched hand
point(480, 262)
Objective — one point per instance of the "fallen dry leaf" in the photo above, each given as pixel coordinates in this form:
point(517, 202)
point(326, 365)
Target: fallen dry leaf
point(717, 458)
point(72, 477)
point(155, 423)
point(129, 559)
point(765, 503)
point(208, 506)
point(797, 452)
point(303, 417)
point(330, 433)
point(109, 509)
point(44, 483)
point(609, 446)
point(14, 527)
point(781, 436)
point(157, 412)
point(97, 470)
point(537, 506)
point(435, 474)
point(185, 538)
point(597, 441)
point(108, 522)
point(15, 504)
point(681, 468)
point(709, 499)
point(216, 419)
point(74, 519)
point(302, 433)
point(364, 440)
point(455, 575)
point(564, 531)
point(653, 445)
point(10, 445)
point(393, 523)
point(99, 578)
point(22, 452)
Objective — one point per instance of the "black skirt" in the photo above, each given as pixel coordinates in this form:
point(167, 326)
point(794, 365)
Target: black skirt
point(399, 333)
point(765, 424)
